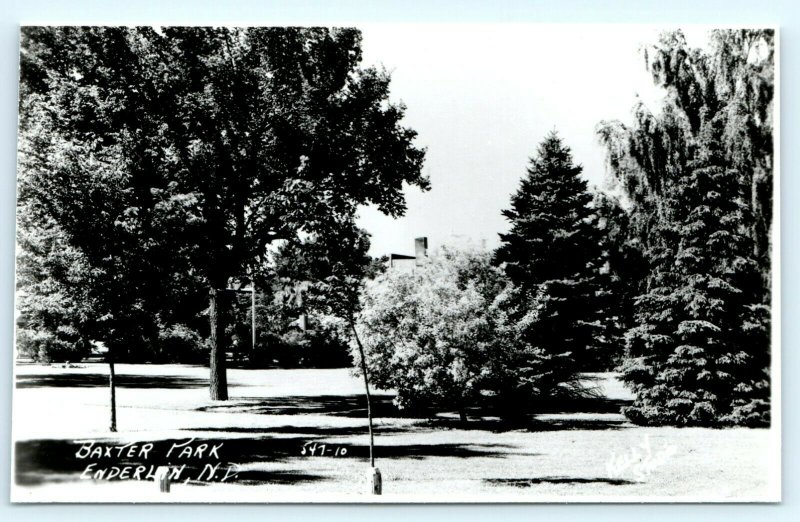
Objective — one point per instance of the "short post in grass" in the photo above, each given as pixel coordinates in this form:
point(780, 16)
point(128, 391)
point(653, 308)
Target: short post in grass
point(375, 479)
point(163, 478)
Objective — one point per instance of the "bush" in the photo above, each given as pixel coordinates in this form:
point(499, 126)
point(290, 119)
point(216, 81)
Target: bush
point(319, 347)
point(442, 336)
point(43, 346)
point(180, 344)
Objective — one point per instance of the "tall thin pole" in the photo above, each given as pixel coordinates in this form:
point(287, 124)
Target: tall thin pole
point(253, 306)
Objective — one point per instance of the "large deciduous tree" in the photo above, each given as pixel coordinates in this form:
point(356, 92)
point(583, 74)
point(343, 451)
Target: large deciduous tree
point(190, 150)
point(86, 178)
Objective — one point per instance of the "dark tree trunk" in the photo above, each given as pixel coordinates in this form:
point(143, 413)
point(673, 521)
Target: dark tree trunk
point(216, 314)
point(366, 388)
point(113, 388)
point(462, 415)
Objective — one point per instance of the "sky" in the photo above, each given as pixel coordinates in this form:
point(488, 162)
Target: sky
point(482, 97)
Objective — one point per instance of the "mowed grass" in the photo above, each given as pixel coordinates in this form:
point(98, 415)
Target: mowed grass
point(585, 451)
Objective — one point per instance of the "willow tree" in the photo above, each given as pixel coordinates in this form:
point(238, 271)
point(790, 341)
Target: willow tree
point(731, 81)
point(215, 143)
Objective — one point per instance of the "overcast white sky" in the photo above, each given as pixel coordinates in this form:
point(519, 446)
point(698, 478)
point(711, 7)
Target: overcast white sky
point(482, 97)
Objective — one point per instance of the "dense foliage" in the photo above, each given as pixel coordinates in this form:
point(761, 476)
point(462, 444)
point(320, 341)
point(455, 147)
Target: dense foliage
point(553, 255)
point(56, 312)
point(172, 159)
point(441, 336)
point(698, 182)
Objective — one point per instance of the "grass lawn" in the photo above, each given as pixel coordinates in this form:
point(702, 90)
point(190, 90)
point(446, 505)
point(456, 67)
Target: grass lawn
point(265, 444)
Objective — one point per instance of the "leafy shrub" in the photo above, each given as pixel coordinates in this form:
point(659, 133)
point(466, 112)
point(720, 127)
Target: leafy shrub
point(442, 336)
point(180, 344)
point(319, 347)
point(44, 346)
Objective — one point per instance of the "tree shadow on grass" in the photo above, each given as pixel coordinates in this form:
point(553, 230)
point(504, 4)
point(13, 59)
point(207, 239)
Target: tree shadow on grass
point(351, 406)
point(423, 451)
point(98, 380)
point(528, 482)
point(316, 431)
point(48, 460)
point(578, 405)
point(529, 423)
point(481, 418)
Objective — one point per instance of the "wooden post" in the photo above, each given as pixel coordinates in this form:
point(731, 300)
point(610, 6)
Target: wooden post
point(375, 479)
point(163, 478)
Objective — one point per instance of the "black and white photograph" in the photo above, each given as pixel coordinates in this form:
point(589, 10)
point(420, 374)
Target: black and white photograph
point(397, 263)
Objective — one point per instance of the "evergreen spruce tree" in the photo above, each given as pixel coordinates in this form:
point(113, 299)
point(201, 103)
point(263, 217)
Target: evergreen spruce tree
point(697, 183)
point(696, 356)
point(553, 257)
